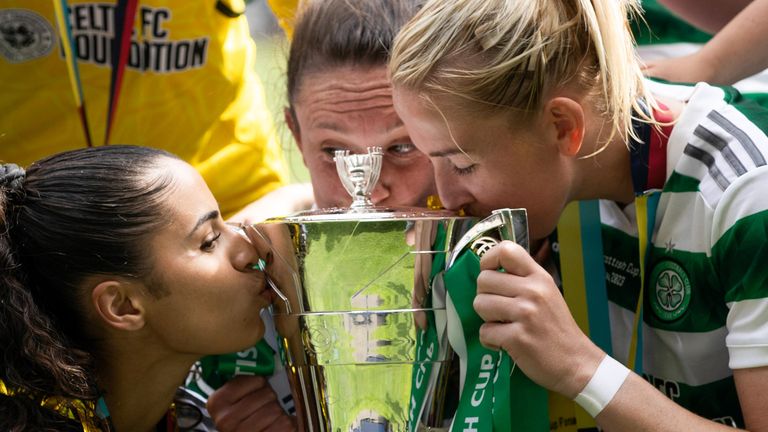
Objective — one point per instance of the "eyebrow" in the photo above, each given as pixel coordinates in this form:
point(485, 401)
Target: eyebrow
point(395, 125)
point(213, 214)
point(330, 126)
point(444, 153)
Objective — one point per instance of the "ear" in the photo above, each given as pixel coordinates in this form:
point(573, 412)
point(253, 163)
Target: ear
point(119, 304)
point(566, 117)
point(293, 125)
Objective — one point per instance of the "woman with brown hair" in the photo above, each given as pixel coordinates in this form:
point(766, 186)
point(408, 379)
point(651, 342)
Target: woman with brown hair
point(118, 273)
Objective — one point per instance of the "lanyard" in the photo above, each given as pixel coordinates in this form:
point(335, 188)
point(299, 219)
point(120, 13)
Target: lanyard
point(649, 169)
point(581, 250)
point(125, 15)
point(582, 262)
point(645, 210)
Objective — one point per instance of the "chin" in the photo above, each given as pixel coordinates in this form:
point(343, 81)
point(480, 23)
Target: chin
point(259, 335)
point(246, 343)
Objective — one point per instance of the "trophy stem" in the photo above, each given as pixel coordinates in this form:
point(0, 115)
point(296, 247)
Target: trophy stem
point(359, 174)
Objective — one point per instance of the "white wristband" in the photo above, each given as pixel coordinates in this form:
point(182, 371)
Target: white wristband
point(603, 385)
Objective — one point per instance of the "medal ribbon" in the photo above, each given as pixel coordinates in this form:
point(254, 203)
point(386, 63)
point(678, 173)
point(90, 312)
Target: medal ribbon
point(649, 170)
point(582, 271)
point(582, 260)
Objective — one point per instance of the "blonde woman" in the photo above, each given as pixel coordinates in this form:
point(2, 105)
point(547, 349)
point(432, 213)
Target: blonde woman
point(540, 103)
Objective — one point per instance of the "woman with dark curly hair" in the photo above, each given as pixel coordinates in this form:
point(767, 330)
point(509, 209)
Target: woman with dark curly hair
point(118, 272)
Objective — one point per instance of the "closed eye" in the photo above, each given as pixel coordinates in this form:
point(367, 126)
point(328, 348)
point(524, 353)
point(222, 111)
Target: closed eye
point(463, 171)
point(209, 244)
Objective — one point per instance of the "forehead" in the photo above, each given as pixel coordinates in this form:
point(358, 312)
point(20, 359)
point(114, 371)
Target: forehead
point(189, 194)
point(439, 127)
point(431, 126)
point(345, 94)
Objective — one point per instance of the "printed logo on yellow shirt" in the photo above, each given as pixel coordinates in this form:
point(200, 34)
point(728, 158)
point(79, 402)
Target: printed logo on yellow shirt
point(25, 35)
point(152, 49)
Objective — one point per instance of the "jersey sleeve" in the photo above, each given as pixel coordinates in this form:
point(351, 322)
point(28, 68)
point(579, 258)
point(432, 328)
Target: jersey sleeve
point(740, 257)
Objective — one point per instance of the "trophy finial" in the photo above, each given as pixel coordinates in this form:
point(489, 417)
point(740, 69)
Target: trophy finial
point(359, 174)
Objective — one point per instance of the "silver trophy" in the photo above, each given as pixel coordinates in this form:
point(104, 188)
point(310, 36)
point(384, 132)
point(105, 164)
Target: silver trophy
point(362, 328)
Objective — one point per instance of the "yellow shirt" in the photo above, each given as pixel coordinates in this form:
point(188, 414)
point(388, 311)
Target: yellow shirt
point(189, 87)
point(285, 12)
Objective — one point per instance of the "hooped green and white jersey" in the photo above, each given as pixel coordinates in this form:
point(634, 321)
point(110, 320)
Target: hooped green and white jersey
point(706, 296)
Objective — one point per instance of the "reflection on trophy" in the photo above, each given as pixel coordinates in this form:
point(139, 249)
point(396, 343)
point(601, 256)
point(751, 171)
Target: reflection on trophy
point(362, 328)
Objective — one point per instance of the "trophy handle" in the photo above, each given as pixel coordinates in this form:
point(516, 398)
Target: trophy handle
point(509, 224)
point(253, 232)
point(341, 170)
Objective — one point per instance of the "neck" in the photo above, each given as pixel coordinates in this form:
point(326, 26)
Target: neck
point(139, 385)
point(606, 175)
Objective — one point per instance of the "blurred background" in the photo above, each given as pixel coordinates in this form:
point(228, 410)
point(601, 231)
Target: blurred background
point(271, 57)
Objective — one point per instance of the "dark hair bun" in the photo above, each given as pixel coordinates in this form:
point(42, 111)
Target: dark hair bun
point(12, 176)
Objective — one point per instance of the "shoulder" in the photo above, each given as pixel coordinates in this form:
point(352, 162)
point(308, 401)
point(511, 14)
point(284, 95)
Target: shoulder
point(718, 138)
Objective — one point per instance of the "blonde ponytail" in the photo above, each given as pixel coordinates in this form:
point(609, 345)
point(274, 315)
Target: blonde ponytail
point(619, 67)
point(503, 55)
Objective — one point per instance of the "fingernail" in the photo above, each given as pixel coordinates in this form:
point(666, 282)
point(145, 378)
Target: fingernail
point(258, 265)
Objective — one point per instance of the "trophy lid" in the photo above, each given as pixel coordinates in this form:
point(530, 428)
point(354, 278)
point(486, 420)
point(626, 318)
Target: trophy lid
point(359, 174)
point(374, 213)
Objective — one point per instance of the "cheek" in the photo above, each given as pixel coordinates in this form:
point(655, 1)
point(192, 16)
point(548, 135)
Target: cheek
point(327, 187)
point(445, 178)
point(543, 206)
point(415, 176)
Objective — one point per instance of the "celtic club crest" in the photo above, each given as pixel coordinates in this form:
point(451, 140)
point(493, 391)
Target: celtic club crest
point(670, 291)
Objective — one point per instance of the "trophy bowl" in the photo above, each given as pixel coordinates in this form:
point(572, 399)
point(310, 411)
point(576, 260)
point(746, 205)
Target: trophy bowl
point(361, 326)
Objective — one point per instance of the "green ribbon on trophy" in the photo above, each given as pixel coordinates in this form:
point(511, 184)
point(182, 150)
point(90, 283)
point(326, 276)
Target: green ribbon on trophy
point(495, 396)
point(423, 373)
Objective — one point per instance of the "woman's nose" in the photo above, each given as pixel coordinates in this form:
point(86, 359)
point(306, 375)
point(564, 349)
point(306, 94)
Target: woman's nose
point(452, 195)
point(380, 193)
point(383, 185)
point(245, 257)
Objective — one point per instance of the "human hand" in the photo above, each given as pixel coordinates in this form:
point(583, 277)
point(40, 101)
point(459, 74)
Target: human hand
point(541, 251)
point(691, 68)
point(248, 404)
point(526, 315)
